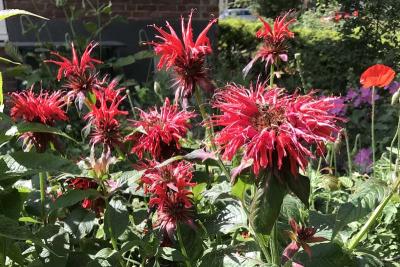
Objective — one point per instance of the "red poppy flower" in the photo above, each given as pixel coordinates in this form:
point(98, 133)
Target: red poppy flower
point(44, 108)
point(103, 118)
point(80, 73)
point(271, 127)
point(170, 190)
point(377, 75)
point(274, 47)
point(185, 56)
point(301, 236)
point(163, 129)
point(79, 183)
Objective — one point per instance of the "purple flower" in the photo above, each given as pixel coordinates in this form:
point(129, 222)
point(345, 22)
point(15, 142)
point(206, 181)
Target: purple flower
point(363, 160)
point(339, 107)
point(366, 95)
point(393, 87)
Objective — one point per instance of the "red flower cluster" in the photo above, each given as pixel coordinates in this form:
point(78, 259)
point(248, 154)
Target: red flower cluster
point(274, 47)
point(44, 108)
point(301, 236)
point(81, 74)
point(377, 75)
point(185, 56)
point(103, 117)
point(163, 130)
point(169, 187)
point(78, 183)
point(273, 128)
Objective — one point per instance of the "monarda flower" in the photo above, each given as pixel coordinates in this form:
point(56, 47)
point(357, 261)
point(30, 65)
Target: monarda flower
point(103, 119)
point(301, 236)
point(170, 193)
point(80, 73)
point(274, 47)
point(81, 183)
point(44, 108)
point(377, 75)
point(162, 130)
point(185, 56)
point(271, 128)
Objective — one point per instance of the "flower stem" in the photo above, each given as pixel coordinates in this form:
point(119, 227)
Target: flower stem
point(346, 136)
point(42, 185)
point(274, 246)
point(182, 246)
point(374, 216)
point(373, 129)
point(271, 75)
point(210, 131)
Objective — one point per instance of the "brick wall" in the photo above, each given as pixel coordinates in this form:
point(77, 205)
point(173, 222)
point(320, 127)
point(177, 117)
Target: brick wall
point(131, 9)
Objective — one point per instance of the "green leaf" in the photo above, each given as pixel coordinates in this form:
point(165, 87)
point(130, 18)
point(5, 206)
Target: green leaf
point(1, 92)
point(80, 222)
point(11, 202)
point(266, 204)
point(300, 186)
point(25, 127)
point(171, 254)
point(116, 218)
point(25, 163)
point(291, 208)
point(11, 229)
point(325, 254)
point(366, 198)
point(12, 12)
point(72, 197)
point(6, 60)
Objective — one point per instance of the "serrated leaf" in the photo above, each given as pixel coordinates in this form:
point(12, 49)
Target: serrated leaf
point(72, 197)
point(366, 198)
point(13, 12)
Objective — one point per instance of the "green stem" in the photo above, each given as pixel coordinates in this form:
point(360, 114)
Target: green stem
point(112, 238)
point(374, 216)
point(182, 246)
point(210, 131)
point(373, 130)
point(271, 75)
point(350, 167)
point(42, 185)
point(274, 246)
point(392, 144)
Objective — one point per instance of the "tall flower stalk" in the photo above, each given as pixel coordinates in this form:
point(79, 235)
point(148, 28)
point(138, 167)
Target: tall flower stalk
point(376, 76)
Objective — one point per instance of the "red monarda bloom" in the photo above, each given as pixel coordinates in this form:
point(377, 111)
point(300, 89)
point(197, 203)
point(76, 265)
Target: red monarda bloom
point(44, 108)
point(378, 75)
point(170, 190)
point(274, 47)
point(301, 236)
point(103, 119)
point(163, 129)
point(80, 73)
point(80, 183)
point(273, 128)
point(185, 56)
